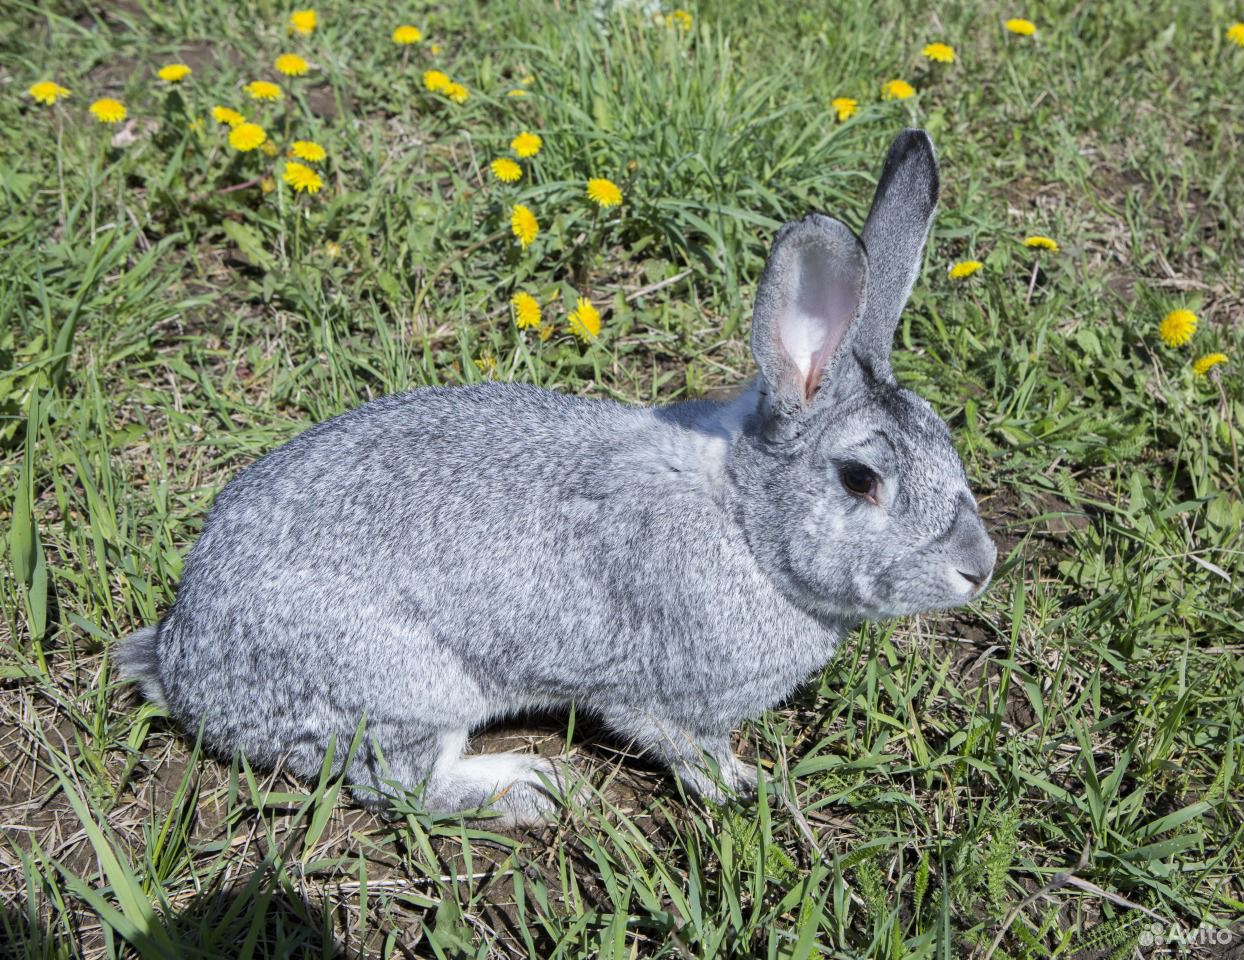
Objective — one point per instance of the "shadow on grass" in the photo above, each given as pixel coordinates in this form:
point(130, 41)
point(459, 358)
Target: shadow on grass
point(256, 920)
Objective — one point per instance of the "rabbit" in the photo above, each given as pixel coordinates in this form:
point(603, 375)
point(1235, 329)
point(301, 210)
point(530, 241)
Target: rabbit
point(433, 561)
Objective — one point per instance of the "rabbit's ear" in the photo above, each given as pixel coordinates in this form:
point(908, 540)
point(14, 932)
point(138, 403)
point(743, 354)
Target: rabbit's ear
point(894, 235)
point(807, 303)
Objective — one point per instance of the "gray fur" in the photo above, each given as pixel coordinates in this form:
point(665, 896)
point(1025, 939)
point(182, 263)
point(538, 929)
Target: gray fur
point(437, 560)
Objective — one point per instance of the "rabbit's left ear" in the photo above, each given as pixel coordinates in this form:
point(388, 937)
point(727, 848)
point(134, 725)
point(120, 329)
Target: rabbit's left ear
point(807, 303)
point(894, 235)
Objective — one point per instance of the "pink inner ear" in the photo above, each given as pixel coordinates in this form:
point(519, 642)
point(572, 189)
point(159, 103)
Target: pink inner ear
point(820, 358)
point(828, 306)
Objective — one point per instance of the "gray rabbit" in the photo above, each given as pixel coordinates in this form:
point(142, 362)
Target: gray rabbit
point(433, 561)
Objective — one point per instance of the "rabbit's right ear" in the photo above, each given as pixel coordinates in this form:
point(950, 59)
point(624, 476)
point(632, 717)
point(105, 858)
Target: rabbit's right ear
point(809, 298)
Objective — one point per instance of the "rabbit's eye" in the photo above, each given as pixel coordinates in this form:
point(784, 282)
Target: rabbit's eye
point(859, 480)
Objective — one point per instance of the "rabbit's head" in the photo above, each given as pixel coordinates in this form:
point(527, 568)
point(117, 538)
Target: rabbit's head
point(850, 490)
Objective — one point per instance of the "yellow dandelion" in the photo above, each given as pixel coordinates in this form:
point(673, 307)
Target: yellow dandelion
point(270, 149)
point(174, 72)
point(308, 150)
point(1203, 365)
point(435, 81)
point(1235, 33)
point(1038, 242)
point(267, 185)
point(1177, 327)
point(303, 22)
point(227, 115)
point(196, 124)
point(486, 364)
point(245, 137)
point(526, 144)
point(506, 170)
point(47, 91)
point(527, 80)
point(291, 65)
point(435, 48)
point(584, 320)
point(302, 178)
point(939, 53)
point(524, 224)
point(844, 107)
point(964, 268)
point(526, 311)
point(897, 90)
point(263, 90)
point(456, 92)
point(332, 250)
point(1021, 27)
point(108, 110)
point(604, 193)
point(681, 19)
point(406, 35)
point(516, 93)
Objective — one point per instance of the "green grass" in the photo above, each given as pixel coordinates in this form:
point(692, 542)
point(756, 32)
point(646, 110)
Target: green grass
point(1078, 733)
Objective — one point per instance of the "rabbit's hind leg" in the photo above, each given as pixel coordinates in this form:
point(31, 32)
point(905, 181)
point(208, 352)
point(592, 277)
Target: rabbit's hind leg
point(519, 787)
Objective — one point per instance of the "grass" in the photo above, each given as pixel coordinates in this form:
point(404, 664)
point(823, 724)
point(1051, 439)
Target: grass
point(1047, 773)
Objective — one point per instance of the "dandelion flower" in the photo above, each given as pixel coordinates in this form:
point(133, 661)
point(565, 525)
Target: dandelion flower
point(302, 178)
point(1203, 365)
point(303, 22)
point(939, 52)
point(1177, 327)
point(291, 65)
point(406, 35)
point(435, 48)
point(526, 144)
point(897, 90)
point(681, 19)
point(245, 137)
point(604, 193)
point(506, 170)
point(964, 269)
point(267, 185)
point(227, 115)
point(524, 224)
point(526, 311)
point(332, 250)
point(308, 150)
point(270, 149)
point(1235, 33)
point(844, 107)
point(1021, 27)
point(263, 90)
point(486, 364)
point(46, 91)
point(174, 72)
point(584, 320)
point(1038, 242)
point(108, 110)
point(435, 81)
point(456, 92)
point(516, 93)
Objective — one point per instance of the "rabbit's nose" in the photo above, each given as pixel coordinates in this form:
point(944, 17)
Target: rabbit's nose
point(973, 553)
point(975, 579)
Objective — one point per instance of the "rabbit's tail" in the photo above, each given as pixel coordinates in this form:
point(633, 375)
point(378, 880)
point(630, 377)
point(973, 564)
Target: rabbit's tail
point(140, 660)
